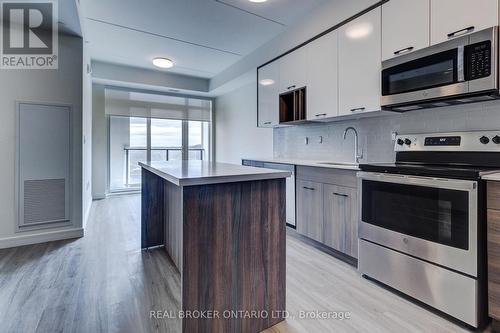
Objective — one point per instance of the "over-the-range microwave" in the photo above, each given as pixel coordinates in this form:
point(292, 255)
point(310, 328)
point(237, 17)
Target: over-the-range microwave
point(460, 70)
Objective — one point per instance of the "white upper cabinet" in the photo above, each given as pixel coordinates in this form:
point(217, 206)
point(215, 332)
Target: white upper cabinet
point(405, 27)
point(322, 77)
point(293, 74)
point(268, 87)
point(454, 18)
point(360, 64)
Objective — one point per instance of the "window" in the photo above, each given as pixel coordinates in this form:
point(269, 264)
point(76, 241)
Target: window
point(152, 127)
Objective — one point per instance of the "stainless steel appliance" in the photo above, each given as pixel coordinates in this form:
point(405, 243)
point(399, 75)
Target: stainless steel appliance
point(423, 227)
point(461, 70)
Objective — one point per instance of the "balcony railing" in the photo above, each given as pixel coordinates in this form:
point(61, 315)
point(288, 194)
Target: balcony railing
point(133, 171)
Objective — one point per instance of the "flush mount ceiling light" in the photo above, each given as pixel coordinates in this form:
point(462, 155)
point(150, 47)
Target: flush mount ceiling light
point(266, 82)
point(163, 62)
point(359, 30)
point(257, 1)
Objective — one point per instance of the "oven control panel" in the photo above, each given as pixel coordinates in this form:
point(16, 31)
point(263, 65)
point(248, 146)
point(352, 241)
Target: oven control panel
point(460, 141)
point(443, 141)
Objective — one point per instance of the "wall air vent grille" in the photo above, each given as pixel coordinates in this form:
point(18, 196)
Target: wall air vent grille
point(44, 201)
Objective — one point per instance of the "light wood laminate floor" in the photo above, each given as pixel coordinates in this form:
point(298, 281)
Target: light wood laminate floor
point(104, 283)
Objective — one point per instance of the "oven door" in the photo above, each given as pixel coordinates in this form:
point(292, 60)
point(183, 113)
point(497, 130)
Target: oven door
point(432, 219)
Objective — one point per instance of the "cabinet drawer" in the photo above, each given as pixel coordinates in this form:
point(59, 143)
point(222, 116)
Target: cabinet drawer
point(494, 195)
point(339, 177)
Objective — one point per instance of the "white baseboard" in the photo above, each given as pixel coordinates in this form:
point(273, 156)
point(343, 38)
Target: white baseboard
point(40, 237)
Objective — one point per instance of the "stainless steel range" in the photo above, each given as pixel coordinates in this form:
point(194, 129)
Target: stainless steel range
point(423, 220)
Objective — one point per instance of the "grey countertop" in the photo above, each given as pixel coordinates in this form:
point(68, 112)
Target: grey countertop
point(311, 163)
point(189, 173)
point(492, 176)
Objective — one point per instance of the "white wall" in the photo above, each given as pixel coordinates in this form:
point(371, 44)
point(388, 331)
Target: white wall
point(87, 135)
point(99, 143)
point(236, 132)
point(60, 86)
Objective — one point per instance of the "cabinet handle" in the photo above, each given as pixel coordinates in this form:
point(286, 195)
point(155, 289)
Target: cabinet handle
point(321, 115)
point(340, 195)
point(267, 123)
point(309, 188)
point(461, 32)
point(408, 49)
point(358, 109)
point(291, 87)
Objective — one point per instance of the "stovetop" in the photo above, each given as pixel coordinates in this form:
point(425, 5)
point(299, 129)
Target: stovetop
point(463, 155)
point(429, 170)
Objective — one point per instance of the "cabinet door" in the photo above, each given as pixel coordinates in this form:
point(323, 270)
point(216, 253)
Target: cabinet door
point(310, 209)
point(360, 64)
point(322, 80)
point(293, 73)
point(268, 86)
point(493, 233)
point(405, 27)
point(341, 219)
point(453, 18)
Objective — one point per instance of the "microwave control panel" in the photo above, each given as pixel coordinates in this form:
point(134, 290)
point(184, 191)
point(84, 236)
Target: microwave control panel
point(478, 60)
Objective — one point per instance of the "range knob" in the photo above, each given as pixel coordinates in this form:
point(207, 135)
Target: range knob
point(407, 142)
point(484, 140)
point(401, 142)
point(496, 139)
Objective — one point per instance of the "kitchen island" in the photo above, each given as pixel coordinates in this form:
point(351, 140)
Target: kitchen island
point(223, 225)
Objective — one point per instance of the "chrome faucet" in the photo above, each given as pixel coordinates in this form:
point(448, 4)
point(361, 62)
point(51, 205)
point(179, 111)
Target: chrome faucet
point(357, 154)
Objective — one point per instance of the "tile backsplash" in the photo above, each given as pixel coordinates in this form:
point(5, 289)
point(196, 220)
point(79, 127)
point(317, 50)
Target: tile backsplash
point(375, 133)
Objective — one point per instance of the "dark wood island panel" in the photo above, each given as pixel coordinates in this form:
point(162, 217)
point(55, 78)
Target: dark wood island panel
point(236, 249)
point(228, 242)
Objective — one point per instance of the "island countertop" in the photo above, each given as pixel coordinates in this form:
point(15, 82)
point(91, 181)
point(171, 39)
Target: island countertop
point(194, 172)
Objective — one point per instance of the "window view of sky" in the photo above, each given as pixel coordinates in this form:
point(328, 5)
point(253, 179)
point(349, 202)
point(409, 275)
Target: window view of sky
point(164, 133)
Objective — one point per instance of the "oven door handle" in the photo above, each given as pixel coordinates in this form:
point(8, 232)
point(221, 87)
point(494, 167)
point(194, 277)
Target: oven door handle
point(443, 183)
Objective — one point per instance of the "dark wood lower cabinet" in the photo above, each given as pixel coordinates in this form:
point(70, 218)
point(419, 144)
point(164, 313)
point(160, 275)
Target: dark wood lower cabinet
point(494, 253)
point(229, 242)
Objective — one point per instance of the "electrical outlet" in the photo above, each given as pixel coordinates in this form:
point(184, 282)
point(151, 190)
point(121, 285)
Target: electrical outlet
point(394, 135)
point(306, 140)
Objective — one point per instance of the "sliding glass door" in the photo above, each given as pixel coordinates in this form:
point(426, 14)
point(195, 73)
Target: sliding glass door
point(147, 127)
point(133, 140)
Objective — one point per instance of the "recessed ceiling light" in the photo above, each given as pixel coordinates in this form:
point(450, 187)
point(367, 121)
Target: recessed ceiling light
point(163, 63)
point(257, 1)
point(266, 82)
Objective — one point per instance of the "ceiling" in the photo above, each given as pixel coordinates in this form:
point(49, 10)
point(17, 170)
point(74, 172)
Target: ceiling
point(202, 37)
